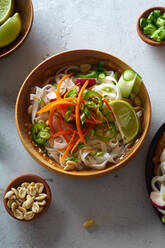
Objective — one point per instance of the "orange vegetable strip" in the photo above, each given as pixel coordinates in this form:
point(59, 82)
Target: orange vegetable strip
point(58, 103)
point(51, 121)
point(108, 106)
point(60, 128)
point(59, 84)
point(77, 112)
point(93, 122)
point(60, 133)
point(68, 126)
point(76, 144)
point(78, 141)
point(70, 90)
point(70, 144)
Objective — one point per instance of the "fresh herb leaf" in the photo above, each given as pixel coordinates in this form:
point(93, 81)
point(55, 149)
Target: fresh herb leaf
point(72, 159)
point(83, 118)
point(86, 111)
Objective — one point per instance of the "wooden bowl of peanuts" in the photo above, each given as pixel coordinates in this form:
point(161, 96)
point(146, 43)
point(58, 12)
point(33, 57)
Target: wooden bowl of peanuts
point(27, 197)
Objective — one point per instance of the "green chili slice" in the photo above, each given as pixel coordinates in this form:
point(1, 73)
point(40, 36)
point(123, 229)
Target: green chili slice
point(93, 99)
point(105, 133)
point(40, 133)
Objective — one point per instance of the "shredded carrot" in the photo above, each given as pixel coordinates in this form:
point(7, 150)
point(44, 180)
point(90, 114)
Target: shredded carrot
point(59, 85)
point(93, 121)
point(76, 144)
point(69, 147)
point(60, 133)
point(77, 112)
point(55, 104)
point(51, 121)
point(60, 127)
point(70, 90)
point(108, 106)
point(68, 126)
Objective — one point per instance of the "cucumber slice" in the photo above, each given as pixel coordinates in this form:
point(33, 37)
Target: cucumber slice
point(137, 84)
point(126, 82)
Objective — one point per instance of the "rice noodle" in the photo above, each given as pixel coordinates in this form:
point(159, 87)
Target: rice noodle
point(112, 150)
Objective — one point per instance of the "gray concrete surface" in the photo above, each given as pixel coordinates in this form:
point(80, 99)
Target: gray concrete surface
point(118, 202)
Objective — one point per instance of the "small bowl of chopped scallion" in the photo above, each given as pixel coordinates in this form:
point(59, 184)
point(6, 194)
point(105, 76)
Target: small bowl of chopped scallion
point(151, 26)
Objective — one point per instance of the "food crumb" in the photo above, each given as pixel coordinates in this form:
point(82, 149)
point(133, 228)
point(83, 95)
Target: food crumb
point(88, 223)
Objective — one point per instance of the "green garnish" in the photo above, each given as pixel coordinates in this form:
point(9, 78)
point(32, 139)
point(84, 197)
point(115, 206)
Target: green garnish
point(67, 116)
point(93, 99)
point(154, 25)
point(105, 133)
point(72, 159)
point(40, 133)
point(98, 154)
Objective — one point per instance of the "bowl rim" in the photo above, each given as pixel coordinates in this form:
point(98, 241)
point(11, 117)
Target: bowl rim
point(23, 38)
point(140, 31)
point(72, 173)
point(35, 178)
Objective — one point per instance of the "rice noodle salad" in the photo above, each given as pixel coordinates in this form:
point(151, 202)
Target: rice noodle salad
point(86, 116)
point(157, 196)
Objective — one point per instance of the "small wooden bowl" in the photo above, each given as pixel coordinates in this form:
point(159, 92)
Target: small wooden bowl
point(25, 8)
point(28, 178)
point(39, 76)
point(140, 31)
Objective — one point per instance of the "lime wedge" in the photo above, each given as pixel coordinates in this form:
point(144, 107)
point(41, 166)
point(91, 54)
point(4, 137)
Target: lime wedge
point(6, 9)
point(126, 119)
point(10, 30)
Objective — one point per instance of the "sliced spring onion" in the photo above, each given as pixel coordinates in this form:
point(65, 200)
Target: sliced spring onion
point(98, 154)
point(82, 118)
point(107, 89)
point(72, 159)
point(101, 76)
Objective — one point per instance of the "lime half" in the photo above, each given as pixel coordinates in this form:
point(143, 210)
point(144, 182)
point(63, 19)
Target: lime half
point(126, 119)
point(10, 30)
point(6, 9)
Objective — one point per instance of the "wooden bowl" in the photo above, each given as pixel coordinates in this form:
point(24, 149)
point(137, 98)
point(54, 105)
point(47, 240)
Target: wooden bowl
point(48, 68)
point(140, 31)
point(28, 178)
point(25, 8)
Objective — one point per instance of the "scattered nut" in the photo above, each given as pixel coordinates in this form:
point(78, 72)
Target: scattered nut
point(70, 165)
point(85, 67)
point(18, 214)
point(14, 191)
point(13, 206)
point(9, 194)
point(39, 187)
point(35, 208)
point(41, 197)
point(23, 210)
point(32, 190)
point(29, 215)
point(88, 223)
point(25, 184)
point(30, 108)
point(42, 203)
point(22, 192)
point(10, 201)
point(28, 203)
